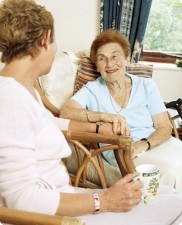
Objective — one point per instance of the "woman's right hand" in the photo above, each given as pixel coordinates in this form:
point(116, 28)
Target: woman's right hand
point(122, 196)
point(119, 124)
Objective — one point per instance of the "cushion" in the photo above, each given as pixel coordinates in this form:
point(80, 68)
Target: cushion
point(58, 84)
point(88, 72)
point(140, 70)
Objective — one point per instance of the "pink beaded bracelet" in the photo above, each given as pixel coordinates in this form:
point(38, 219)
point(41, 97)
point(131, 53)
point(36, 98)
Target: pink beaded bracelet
point(97, 203)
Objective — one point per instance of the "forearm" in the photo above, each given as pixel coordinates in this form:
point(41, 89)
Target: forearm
point(74, 111)
point(82, 126)
point(156, 138)
point(159, 136)
point(82, 115)
point(81, 204)
point(120, 197)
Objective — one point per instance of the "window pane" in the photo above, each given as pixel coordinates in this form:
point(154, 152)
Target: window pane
point(164, 28)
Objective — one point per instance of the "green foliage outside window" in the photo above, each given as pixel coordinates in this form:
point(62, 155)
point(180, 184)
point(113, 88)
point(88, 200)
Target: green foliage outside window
point(164, 29)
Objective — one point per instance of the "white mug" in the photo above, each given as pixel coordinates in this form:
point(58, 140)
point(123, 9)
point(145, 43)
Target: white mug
point(149, 175)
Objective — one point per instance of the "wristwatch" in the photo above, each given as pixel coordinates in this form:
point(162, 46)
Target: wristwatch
point(145, 139)
point(98, 124)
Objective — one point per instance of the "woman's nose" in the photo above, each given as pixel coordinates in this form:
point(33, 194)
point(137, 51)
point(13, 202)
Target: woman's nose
point(109, 62)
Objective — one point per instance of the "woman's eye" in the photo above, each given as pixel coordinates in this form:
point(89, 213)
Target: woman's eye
point(115, 56)
point(101, 59)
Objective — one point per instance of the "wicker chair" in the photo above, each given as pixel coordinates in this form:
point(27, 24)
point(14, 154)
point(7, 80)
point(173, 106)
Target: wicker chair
point(86, 142)
point(18, 217)
point(177, 107)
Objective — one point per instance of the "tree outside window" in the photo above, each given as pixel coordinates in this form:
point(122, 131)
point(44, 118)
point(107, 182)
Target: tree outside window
point(164, 30)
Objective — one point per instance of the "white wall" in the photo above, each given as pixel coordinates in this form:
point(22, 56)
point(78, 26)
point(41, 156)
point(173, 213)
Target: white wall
point(76, 25)
point(76, 22)
point(169, 83)
point(168, 78)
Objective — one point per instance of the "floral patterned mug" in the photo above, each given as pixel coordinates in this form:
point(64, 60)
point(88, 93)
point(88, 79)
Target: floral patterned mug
point(149, 175)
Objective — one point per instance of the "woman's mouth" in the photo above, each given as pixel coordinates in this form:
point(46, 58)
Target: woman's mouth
point(111, 71)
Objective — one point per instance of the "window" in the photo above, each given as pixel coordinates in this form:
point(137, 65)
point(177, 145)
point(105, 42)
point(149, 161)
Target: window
point(163, 37)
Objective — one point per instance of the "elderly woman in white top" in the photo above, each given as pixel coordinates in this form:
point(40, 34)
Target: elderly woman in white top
point(121, 98)
point(31, 144)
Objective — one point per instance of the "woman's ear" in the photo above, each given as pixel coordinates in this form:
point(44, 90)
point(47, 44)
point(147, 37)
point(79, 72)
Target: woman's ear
point(46, 40)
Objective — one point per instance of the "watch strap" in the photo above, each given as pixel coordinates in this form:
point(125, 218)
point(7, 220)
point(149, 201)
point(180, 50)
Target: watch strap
point(98, 124)
point(145, 139)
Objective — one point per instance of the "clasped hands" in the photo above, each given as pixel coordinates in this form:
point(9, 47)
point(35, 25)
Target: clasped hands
point(116, 124)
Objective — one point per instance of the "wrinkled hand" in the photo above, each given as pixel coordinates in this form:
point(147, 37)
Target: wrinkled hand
point(123, 195)
point(119, 125)
point(137, 148)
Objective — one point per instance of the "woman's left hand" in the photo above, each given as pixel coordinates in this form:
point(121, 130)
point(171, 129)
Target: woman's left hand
point(137, 148)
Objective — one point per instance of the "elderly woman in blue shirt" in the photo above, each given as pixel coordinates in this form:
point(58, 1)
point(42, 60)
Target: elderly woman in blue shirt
point(132, 105)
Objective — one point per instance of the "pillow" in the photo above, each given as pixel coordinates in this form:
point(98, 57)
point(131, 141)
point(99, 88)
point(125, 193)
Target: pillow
point(58, 84)
point(140, 70)
point(88, 72)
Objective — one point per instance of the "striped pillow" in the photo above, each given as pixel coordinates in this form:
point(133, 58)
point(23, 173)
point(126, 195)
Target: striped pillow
point(88, 72)
point(140, 70)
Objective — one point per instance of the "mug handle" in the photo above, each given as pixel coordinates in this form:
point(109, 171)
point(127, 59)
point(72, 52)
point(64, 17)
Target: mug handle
point(137, 178)
point(141, 179)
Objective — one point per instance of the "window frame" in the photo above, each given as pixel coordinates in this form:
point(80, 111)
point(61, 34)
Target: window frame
point(161, 57)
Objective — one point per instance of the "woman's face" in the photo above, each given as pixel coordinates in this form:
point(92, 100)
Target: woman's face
point(51, 52)
point(111, 62)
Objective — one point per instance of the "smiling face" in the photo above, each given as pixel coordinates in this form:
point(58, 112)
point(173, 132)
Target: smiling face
point(111, 62)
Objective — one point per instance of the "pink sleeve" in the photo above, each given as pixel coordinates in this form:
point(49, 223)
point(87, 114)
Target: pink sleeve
point(60, 122)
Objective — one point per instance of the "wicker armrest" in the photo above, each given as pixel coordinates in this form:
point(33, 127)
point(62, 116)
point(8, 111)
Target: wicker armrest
point(18, 217)
point(85, 141)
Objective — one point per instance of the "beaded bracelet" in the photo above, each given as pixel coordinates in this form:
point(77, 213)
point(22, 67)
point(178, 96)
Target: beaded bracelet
point(96, 203)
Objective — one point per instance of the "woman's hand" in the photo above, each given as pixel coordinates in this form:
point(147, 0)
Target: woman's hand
point(119, 125)
point(122, 196)
point(138, 147)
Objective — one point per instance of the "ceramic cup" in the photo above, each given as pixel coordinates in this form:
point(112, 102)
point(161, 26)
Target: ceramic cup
point(149, 175)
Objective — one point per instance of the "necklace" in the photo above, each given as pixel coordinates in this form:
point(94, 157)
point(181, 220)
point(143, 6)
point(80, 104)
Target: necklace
point(120, 106)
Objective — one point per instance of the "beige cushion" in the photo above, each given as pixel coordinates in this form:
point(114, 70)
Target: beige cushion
point(58, 84)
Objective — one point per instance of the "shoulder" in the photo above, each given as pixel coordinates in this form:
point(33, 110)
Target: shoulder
point(96, 83)
point(146, 82)
point(16, 98)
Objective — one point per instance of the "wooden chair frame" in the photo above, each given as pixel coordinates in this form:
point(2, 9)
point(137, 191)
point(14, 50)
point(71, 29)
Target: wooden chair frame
point(18, 217)
point(172, 119)
point(120, 145)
